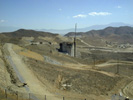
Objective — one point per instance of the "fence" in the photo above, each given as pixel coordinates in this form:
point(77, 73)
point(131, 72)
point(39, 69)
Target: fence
point(32, 96)
point(8, 95)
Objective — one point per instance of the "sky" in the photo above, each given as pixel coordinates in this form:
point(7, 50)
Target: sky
point(63, 14)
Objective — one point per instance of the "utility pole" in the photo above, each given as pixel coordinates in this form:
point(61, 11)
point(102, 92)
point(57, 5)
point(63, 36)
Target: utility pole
point(75, 40)
point(117, 71)
point(94, 60)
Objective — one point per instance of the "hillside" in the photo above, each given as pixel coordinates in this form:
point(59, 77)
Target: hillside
point(17, 36)
point(27, 33)
point(93, 74)
point(109, 35)
point(124, 30)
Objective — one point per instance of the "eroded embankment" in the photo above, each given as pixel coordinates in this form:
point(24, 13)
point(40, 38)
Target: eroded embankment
point(8, 79)
point(24, 74)
point(60, 77)
point(81, 81)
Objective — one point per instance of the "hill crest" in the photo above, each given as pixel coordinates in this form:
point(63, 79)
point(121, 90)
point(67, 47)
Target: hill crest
point(123, 30)
point(28, 33)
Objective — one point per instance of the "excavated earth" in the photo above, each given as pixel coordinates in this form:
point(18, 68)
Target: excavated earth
point(67, 76)
point(78, 78)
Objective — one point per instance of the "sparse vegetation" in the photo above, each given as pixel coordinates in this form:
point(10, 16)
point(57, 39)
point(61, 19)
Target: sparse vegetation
point(93, 72)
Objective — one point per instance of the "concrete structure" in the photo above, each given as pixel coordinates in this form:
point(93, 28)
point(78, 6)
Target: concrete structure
point(34, 43)
point(67, 48)
point(39, 42)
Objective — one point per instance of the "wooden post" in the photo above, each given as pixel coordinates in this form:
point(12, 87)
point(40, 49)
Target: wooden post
point(29, 96)
point(63, 98)
point(17, 94)
point(45, 97)
point(6, 94)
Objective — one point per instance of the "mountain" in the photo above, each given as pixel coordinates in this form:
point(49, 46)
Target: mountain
point(64, 31)
point(94, 27)
point(27, 33)
point(123, 30)
point(97, 27)
point(17, 36)
point(123, 34)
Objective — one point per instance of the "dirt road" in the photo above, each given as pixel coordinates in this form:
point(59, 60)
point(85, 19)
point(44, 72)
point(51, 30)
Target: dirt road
point(24, 74)
point(128, 90)
point(85, 43)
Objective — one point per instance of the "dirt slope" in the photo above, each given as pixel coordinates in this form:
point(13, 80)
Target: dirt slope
point(128, 90)
point(25, 74)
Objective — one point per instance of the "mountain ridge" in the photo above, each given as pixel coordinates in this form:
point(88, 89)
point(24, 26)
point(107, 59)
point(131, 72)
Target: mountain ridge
point(107, 31)
point(64, 31)
point(27, 33)
point(93, 27)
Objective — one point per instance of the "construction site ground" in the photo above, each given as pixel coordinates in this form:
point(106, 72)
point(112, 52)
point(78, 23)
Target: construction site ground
point(46, 71)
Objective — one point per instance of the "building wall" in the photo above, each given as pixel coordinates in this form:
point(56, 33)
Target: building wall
point(72, 51)
point(67, 48)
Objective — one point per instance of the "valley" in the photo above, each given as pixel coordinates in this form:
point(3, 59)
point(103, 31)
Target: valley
point(32, 62)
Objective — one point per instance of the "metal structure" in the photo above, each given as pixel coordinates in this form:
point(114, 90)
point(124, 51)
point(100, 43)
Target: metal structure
point(75, 40)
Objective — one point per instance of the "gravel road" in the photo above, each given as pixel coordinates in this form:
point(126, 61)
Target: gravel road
point(25, 75)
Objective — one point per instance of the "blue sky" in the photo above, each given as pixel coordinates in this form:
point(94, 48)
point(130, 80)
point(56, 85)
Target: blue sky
point(63, 14)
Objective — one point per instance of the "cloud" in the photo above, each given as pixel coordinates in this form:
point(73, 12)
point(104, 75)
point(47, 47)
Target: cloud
point(2, 21)
point(119, 7)
point(92, 14)
point(99, 13)
point(80, 16)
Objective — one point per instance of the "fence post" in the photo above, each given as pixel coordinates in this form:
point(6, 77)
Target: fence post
point(63, 98)
point(6, 94)
point(29, 96)
point(17, 94)
point(45, 97)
